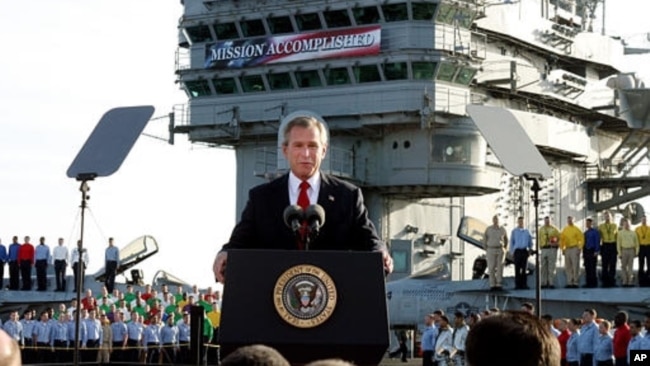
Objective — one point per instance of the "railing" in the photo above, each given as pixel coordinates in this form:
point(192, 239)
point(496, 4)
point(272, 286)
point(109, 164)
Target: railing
point(183, 59)
point(450, 100)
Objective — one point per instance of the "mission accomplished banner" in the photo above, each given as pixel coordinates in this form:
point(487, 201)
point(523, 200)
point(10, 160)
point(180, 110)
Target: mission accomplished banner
point(306, 46)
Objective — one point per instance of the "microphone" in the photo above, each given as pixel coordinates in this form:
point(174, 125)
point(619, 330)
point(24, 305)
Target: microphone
point(293, 216)
point(315, 215)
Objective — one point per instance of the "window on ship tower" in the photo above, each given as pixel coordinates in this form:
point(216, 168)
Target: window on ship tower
point(308, 79)
point(337, 76)
point(337, 18)
point(225, 86)
point(306, 22)
point(367, 15)
point(396, 71)
point(198, 88)
point(395, 12)
point(423, 11)
point(279, 25)
point(280, 81)
point(226, 31)
point(199, 33)
point(252, 28)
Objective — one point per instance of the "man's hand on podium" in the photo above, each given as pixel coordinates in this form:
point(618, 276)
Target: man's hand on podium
point(219, 267)
point(388, 262)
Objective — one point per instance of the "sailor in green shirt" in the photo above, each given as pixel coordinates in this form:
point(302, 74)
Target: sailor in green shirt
point(608, 253)
point(206, 305)
point(140, 307)
point(208, 333)
point(129, 295)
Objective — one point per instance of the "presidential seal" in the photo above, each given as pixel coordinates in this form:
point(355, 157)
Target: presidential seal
point(304, 296)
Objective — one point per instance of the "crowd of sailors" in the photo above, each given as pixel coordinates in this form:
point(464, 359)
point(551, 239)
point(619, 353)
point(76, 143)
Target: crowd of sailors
point(149, 326)
point(608, 240)
point(583, 341)
point(23, 257)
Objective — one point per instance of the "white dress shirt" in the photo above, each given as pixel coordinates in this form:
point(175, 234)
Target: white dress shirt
point(60, 253)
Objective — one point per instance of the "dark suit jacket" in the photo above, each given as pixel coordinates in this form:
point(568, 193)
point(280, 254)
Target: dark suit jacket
point(346, 227)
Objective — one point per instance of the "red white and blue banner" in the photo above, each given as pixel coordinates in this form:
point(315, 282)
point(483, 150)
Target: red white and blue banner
point(305, 46)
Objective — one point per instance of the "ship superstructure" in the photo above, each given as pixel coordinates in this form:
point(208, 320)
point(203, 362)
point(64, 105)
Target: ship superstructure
point(392, 79)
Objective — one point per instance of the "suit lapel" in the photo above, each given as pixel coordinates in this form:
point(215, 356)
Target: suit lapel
point(280, 192)
point(326, 195)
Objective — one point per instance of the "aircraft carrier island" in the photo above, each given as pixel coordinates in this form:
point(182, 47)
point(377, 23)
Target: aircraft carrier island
point(392, 80)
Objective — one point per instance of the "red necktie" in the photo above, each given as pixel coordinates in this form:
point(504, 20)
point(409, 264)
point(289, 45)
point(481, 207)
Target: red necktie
point(303, 198)
point(303, 202)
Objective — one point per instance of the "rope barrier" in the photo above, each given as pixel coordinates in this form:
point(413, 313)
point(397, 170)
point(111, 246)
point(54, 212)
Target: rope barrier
point(71, 347)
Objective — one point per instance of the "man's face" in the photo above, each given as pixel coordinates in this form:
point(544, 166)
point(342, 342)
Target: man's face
point(569, 220)
point(428, 320)
point(458, 321)
point(634, 330)
point(602, 329)
point(547, 221)
point(647, 323)
point(586, 317)
point(607, 217)
point(520, 223)
point(304, 151)
point(436, 318)
point(495, 221)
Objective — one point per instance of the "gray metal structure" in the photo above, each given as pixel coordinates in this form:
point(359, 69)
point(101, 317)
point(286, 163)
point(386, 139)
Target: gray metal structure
point(397, 117)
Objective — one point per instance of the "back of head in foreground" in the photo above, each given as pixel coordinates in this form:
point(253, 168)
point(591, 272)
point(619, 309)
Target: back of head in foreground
point(511, 338)
point(9, 350)
point(255, 355)
point(330, 362)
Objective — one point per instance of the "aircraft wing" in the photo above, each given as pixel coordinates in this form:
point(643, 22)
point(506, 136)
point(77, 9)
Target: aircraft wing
point(472, 230)
point(135, 252)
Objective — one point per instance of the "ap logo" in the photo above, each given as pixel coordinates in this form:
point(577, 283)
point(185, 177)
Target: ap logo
point(639, 358)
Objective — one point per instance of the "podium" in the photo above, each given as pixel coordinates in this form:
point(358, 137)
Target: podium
point(309, 305)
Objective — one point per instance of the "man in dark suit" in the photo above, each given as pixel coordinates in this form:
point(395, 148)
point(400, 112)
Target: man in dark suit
point(346, 226)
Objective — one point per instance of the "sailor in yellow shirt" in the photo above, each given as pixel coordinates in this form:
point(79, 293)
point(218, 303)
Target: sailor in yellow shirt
point(643, 235)
point(571, 243)
point(627, 245)
point(215, 318)
point(608, 232)
point(549, 241)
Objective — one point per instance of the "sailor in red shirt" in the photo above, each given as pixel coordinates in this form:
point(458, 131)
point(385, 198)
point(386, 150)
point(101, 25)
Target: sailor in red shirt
point(147, 293)
point(26, 262)
point(563, 338)
point(89, 302)
point(622, 338)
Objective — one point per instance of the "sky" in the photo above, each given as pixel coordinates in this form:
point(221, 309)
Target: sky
point(64, 64)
